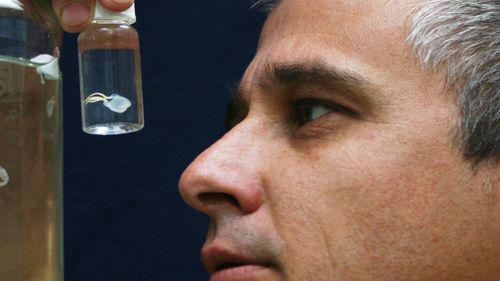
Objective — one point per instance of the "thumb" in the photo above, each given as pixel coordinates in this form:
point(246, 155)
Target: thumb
point(74, 15)
point(117, 5)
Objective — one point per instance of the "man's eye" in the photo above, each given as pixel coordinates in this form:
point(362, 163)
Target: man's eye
point(310, 110)
point(317, 111)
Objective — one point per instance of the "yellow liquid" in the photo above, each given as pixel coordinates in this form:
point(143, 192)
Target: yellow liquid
point(31, 155)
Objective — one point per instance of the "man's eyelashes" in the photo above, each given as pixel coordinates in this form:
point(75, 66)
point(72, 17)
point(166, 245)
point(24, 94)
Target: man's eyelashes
point(302, 111)
point(309, 110)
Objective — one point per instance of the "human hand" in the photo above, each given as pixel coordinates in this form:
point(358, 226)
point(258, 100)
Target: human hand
point(75, 15)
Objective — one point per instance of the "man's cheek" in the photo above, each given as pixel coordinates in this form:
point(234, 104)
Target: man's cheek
point(373, 179)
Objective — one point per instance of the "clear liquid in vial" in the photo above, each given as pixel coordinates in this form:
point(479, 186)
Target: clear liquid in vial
point(110, 78)
point(109, 91)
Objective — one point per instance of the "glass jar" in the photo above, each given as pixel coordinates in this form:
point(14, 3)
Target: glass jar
point(31, 240)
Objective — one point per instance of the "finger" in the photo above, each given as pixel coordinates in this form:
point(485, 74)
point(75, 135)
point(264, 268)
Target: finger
point(117, 5)
point(74, 15)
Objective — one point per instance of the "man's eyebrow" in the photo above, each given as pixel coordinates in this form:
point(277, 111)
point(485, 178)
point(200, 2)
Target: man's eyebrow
point(312, 72)
point(304, 74)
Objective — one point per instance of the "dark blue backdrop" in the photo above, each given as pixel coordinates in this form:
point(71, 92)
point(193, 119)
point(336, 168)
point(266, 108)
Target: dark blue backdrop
point(124, 219)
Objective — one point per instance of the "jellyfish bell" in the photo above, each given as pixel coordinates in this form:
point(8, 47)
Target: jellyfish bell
point(117, 103)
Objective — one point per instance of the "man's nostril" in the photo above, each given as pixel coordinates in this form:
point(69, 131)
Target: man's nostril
point(211, 199)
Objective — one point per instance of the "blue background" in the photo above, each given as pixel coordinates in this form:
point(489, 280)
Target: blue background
point(124, 219)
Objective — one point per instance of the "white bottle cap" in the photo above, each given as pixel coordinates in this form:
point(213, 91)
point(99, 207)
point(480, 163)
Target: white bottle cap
point(102, 13)
point(11, 4)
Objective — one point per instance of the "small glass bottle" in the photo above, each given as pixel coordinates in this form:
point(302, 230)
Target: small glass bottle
point(110, 74)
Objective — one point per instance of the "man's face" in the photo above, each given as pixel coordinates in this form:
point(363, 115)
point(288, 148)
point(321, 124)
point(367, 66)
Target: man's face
point(341, 163)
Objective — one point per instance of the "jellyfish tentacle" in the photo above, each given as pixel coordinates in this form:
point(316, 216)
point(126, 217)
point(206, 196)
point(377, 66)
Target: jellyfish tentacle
point(96, 97)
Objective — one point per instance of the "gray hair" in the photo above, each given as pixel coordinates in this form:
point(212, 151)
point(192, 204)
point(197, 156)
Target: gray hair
point(267, 5)
point(463, 38)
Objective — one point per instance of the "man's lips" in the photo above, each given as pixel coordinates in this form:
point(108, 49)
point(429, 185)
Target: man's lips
point(234, 251)
point(242, 273)
point(224, 262)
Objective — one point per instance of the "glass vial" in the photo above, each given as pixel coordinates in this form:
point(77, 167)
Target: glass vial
point(110, 74)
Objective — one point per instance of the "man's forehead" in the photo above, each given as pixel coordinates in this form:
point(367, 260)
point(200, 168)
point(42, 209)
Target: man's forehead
point(368, 38)
point(327, 15)
point(370, 33)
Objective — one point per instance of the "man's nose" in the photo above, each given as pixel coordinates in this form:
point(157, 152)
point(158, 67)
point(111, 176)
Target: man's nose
point(226, 174)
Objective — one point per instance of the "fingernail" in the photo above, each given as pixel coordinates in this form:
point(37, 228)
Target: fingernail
point(75, 14)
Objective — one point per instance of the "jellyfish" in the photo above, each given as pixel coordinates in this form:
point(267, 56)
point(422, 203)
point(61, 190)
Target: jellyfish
point(47, 67)
point(50, 106)
point(42, 59)
point(115, 102)
point(4, 177)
